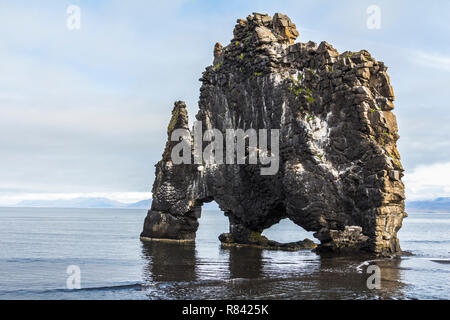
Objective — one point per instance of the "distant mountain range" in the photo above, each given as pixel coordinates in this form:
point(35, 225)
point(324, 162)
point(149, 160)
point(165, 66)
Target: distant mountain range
point(84, 203)
point(436, 205)
point(95, 203)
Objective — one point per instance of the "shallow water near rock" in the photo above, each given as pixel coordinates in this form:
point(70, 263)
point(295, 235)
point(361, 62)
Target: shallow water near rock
point(38, 244)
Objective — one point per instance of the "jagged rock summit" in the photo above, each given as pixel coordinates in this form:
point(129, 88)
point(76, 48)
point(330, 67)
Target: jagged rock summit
point(339, 169)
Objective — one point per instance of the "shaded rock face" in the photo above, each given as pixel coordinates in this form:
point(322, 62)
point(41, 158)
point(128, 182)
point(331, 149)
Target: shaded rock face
point(339, 173)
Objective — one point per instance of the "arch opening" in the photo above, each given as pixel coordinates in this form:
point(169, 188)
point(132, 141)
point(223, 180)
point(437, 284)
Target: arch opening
point(212, 223)
point(287, 231)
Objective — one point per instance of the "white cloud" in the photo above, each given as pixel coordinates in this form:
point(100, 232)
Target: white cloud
point(428, 182)
point(435, 61)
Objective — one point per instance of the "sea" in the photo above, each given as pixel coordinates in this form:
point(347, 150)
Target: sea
point(50, 253)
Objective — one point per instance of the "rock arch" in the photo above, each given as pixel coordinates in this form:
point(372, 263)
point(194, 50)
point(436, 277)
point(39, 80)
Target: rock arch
point(339, 173)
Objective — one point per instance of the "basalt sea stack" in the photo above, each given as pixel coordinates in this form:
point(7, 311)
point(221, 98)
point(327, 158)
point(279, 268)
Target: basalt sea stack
point(339, 171)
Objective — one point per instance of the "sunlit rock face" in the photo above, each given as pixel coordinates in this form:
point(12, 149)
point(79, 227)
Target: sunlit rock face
point(339, 170)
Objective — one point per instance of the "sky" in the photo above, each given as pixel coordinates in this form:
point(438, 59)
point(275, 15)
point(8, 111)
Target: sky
point(84, 112)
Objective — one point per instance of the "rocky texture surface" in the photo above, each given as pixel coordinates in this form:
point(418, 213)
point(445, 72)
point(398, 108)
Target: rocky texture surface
point(256, 240)
point(340, 171)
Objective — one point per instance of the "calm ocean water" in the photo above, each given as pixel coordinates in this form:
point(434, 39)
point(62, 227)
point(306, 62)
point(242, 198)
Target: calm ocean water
point(37, 245)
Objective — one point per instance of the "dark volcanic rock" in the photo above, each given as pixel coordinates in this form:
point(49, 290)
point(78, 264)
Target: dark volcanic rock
point(340, 171)
point(258, 241)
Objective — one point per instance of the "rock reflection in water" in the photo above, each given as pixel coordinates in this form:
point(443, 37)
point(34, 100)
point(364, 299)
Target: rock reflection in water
point(251, 273)
point(244, 263)
point(347, 278)
point(169, 261)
